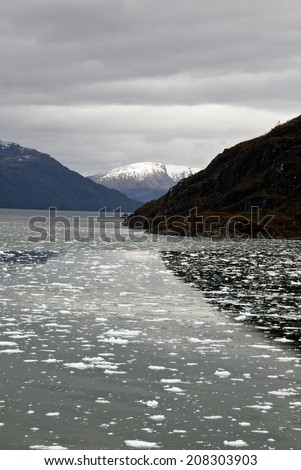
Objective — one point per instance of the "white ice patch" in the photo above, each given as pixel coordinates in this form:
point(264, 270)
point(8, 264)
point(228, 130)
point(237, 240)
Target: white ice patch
point(77, 365)
point(260, 431)
point(102, 401)
point(260, 407)
point(157, 418)
point(53, 413)
point(123, 333)
point(174, 389)
point(244, 424)
point(150, 403)
point(240, 318)
point(156, 367)
point(111, 372)
point(222, 374)
point(137, 444)
point(288, 359)
point(238, 443)
point(42, 447)
point(284, 392)
point(8, 343)
point(213, 417)
point(194, 340)
point(11, 351)
point(283, 340)
point(113, 340)
point(171, 381)
point(50, 361)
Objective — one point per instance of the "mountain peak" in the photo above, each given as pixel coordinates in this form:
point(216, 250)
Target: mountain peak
point(144, 180)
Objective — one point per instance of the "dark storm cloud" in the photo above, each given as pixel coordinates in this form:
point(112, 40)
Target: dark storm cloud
point(63, 63)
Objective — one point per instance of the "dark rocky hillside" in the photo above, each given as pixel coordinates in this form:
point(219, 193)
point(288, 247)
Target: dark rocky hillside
point(263, 172)
point(33, 180)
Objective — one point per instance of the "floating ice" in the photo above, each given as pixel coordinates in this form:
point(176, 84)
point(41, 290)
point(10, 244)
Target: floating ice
point(110, 371)
point(53, 413)
point(50, 361)
point(113, 340)
point(43, 447)
point(157, 418)
point(174, 389)
point(222, 374)
point(240, 318)
point(260, 407)
point(213, 417)
point(156, 367)
point(260, 431)
point(77, 365)
point(102, 400)
point(284, 392)
point(150, 403)
point(137, 444)
point(283, 340)
point(123, 333)
point(238, 443)
point(11, 351)
point(194, 340)
point(171, 381)
point(288, 359)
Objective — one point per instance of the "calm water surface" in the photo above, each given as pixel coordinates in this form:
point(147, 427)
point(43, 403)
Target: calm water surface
point(138, 345)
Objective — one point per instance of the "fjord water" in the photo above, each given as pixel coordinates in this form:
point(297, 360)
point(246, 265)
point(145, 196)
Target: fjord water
point(102, 346)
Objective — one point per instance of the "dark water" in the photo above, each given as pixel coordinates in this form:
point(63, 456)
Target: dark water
point(259, 283)
point(103, 347)
point(26, 256)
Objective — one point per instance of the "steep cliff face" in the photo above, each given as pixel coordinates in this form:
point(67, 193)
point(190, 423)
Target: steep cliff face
point(264, 172)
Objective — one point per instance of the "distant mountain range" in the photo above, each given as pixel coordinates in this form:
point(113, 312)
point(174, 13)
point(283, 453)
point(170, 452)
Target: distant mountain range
point(263, 172)
point(144, 181)
point(33, 180)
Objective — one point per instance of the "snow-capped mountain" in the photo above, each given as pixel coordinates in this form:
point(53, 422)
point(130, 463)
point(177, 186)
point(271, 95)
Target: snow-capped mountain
point(144, 181)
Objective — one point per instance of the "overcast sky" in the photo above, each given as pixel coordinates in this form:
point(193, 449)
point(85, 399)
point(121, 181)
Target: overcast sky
point(102, 83)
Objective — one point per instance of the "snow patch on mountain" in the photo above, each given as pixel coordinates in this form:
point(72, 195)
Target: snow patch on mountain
point(141, 171)
point(145, 180)
point(4, 144)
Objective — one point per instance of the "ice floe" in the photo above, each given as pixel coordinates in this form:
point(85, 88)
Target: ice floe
point(157, 417)
point(237, 443)
point(222, 374)
point(137, 444)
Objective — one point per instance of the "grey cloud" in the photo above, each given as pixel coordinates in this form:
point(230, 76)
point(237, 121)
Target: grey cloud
point(73, 72)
